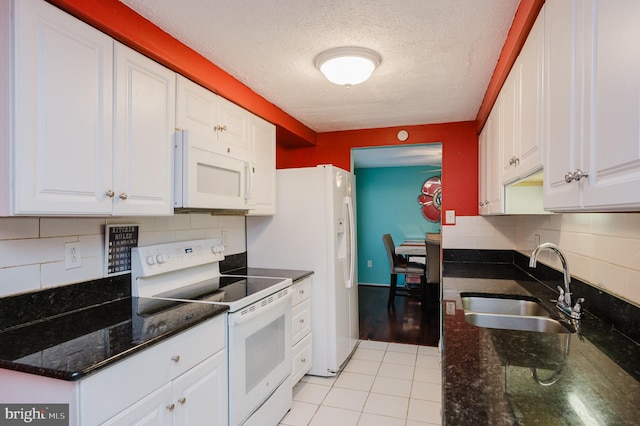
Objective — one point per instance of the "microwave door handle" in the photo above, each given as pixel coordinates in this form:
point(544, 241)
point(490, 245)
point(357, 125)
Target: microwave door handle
point(249, 184)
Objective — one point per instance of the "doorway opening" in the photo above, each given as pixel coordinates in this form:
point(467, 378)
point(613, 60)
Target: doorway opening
point(389, 184)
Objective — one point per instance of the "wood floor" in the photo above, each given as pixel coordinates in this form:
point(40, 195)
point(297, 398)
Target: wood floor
point(407, 323)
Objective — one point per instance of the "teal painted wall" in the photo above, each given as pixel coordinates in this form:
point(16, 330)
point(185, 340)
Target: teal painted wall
point(387, 203)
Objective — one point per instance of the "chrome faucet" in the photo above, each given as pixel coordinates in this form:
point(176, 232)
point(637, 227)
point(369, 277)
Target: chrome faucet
point(564, 300)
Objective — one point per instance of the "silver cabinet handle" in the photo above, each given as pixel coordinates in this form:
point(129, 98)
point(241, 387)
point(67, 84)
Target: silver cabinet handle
point(175, 358)
point(170, 407)
point(123, 196)
point(110, 193)
point(568, 177)
point(303, 360)
point(302, 291)
point(301, 320)
point(579, 174)
point(182, 400)
point(219, 128)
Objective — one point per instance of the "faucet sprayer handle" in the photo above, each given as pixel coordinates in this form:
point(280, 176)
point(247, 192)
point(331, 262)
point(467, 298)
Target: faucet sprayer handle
point(578, 306)
point(561, 295)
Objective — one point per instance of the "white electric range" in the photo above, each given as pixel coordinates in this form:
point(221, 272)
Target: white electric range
point(259, 320)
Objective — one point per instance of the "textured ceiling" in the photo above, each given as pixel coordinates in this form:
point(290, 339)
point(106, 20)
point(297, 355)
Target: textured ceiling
point(437, 55)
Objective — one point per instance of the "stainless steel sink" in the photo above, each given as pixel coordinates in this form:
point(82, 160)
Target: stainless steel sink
point(503, 305)
point(510, 312)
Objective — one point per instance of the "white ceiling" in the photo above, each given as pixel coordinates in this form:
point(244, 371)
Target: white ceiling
point(437, 55)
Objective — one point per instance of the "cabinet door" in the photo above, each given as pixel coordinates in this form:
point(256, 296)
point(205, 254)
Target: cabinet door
point(201, 393)
point(563, 89)
point(153, 410)
point(263, 194)
point(510, 122)
point(197, 108)
point(530, 140)
point(483, 199)
point(63, 99)
point(235, 130)
point(495, 189)
point(614, 144)
point(145, 126)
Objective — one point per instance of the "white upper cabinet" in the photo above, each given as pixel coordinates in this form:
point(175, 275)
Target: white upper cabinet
point(144, 132)
point(614, 121)
point(522, 109)
point(563, 90)
point(70, 149)
point(202, 111)
point(263, 196)
point(592, 160)
point(491, 191)
point(58, 145)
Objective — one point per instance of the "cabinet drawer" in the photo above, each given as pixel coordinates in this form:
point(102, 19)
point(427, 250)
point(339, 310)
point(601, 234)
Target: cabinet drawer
point(301, 358)
point(301, 291)
point(301, 320)
point(139, 375)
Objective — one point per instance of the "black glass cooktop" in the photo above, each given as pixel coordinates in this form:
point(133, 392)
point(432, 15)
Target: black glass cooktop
point(223, 289)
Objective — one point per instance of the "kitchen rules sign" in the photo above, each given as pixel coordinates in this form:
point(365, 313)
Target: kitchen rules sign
point(119, 239)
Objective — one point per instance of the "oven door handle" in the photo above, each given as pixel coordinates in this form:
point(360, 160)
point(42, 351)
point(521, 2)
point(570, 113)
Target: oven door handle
point(238, 319)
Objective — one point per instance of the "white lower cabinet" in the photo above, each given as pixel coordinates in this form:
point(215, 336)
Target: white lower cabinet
point(301, 329)
point(194, 398)
point(180, 381)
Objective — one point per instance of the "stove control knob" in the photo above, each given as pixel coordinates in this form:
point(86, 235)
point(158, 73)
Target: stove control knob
point(151, 260)
point(160, 258)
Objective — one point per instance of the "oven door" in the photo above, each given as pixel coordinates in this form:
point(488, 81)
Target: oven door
point(259, 353)
point(208, 179)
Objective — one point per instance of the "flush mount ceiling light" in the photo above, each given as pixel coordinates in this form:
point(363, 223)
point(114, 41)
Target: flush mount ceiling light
point(347, 66)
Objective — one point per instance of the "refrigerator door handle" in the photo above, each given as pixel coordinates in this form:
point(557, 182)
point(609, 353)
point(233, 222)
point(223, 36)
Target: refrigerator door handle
point(352, 255)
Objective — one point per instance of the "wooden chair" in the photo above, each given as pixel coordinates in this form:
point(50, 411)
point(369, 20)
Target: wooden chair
point(432, 262)
point(398, 265)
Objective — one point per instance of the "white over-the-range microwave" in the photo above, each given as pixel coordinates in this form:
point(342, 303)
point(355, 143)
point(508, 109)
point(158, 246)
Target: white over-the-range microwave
point(206, 177)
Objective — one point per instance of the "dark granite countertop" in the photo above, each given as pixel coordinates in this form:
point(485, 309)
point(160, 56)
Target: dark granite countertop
point(71, 331)
point(71, 339)
point(488, 377)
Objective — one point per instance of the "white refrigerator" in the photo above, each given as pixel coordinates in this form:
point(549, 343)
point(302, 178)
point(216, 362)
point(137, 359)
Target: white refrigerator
point(314, 229)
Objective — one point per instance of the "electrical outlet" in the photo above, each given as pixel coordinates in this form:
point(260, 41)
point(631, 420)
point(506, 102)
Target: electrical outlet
point(72, 255)
point(369, 263)
point(450, 307)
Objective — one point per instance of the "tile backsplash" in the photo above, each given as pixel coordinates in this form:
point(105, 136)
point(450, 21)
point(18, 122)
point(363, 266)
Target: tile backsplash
point(602, 249)
point(32, 249)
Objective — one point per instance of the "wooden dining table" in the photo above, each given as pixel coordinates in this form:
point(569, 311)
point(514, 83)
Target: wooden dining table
point(412, 248)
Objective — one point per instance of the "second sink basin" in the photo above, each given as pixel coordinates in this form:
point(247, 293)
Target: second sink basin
point(503, 304)
point(510, 312)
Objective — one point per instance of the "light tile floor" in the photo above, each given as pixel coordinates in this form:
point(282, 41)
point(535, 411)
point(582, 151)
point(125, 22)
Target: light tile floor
point(384, 384)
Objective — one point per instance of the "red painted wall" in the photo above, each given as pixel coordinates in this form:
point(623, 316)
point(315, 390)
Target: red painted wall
point(459, 156)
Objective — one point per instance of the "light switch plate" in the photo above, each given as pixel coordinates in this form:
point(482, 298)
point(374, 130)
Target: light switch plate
point(450, 217)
